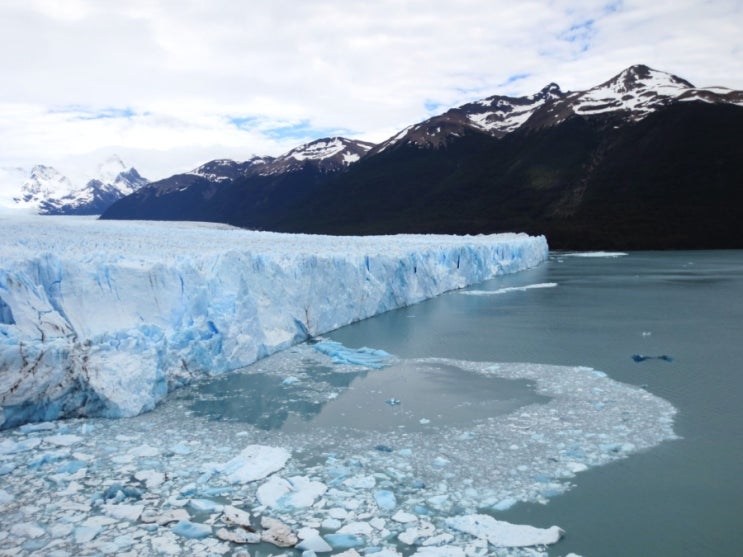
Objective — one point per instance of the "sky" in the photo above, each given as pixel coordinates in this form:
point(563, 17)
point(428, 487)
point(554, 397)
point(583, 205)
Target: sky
point(170, 84)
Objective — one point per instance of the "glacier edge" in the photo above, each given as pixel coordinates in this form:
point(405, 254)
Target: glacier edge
point(103, 318)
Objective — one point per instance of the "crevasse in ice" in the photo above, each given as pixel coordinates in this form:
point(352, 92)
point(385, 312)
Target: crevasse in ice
point(103, 318)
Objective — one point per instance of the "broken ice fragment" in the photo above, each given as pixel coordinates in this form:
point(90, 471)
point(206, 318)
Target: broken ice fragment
point(315, 544)
point(385, 499)
point(255, 462)
point(392, 401)
point(238, 535)
point(504, 534)
point(293, 493)
point(233, 515)
point(641, 358)
point(367, 357)
point(192, 530)
point(344, 541)
point(277, 533)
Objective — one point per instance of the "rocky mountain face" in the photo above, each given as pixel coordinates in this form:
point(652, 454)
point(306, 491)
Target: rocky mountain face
point(226, 191)
point(49, 192)
point(645, 160)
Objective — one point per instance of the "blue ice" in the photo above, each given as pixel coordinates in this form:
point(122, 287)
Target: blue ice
point(192, 530)
point(367, 357)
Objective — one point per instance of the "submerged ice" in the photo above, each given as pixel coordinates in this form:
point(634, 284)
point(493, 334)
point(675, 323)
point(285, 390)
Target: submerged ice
point(173, 482)
point(105, 317)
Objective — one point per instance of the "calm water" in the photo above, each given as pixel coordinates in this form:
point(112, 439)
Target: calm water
point(682, 498)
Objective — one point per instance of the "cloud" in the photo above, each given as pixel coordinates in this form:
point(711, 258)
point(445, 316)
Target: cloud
point(169, 77)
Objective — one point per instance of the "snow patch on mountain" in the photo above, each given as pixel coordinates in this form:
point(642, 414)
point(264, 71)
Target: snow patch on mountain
point(104, 317)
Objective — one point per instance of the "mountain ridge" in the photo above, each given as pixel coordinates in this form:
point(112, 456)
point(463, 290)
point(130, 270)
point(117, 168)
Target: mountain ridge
point(540, 160)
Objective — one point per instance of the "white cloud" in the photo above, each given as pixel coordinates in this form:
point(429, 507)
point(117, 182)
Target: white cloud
point(173, 77)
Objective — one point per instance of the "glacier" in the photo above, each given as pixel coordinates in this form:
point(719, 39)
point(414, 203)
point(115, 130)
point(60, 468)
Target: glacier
point(104, 318)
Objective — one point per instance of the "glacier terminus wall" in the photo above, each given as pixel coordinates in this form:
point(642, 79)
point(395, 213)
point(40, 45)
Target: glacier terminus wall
point(103, 318)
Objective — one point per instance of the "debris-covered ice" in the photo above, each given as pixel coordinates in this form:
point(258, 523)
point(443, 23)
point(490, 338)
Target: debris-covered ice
point(176, 482)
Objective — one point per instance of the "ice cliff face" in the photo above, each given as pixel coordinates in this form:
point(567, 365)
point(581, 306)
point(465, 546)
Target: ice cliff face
point(103, 318)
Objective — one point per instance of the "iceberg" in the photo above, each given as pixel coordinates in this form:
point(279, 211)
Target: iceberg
point(104, 318)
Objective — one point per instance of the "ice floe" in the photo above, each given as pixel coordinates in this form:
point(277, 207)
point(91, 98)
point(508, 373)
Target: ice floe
point(192, 484)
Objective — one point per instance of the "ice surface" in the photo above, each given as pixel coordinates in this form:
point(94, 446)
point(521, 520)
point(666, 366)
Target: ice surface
point(504, 534)
point(529, 454)
point(103, 318)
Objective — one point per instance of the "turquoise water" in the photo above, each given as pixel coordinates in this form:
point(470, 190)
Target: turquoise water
point(683, 498)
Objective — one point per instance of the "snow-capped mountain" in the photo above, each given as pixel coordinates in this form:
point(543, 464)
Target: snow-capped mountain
point(632, 94)
point(645, 160)
point(47, 191)
point(325, 155)
point(43, 183)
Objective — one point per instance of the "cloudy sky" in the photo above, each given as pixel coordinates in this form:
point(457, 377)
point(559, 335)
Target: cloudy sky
point(170, 84)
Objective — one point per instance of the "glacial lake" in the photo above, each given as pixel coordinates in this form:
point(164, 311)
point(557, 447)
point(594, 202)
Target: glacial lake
point(681, 498)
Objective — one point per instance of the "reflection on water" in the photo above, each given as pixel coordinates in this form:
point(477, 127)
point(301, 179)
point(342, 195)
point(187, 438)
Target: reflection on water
point(410, 395)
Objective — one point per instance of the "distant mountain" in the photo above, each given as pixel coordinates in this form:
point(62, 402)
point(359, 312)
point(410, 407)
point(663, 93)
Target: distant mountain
point(645, 160)
point(229, 191)
point(49, 192)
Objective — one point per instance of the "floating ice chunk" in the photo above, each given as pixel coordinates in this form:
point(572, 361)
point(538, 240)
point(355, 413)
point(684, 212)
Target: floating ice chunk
point(504, 504)
point(233, 515)
point(192, 530)
point(344, 541)
point(504, 534)
point(27, 530)
point(361, 482)
point(403, 518)
point(152, 478)
point(277, 533)
point(595, 254)
point(295, 492)
point(8, 446)
point(90, 528)
point(443, 551)
point(5, 497)
point(367, 357)
point(392, 401)
point(255, 462)
point(508, 289)
point(331, 524)
point(441, 539)
point(143, 451)
point(424, 421)
point(385, 499)
point(641, 358)
point(315, 543)
point(123, 511)
point(63, 440)
point(357, 528)
point(238, 535)
point(205, 506)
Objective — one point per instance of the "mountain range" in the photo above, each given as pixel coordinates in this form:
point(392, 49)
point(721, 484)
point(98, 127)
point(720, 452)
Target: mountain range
point(645, 160)
point(47, 191)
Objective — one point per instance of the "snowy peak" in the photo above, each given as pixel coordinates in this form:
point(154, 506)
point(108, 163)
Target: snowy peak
point(49, 192)
point(44, 182)
point(638, 91)
point(632, 94)
point(326, 155)
point(329, 154)
point(225, 170)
